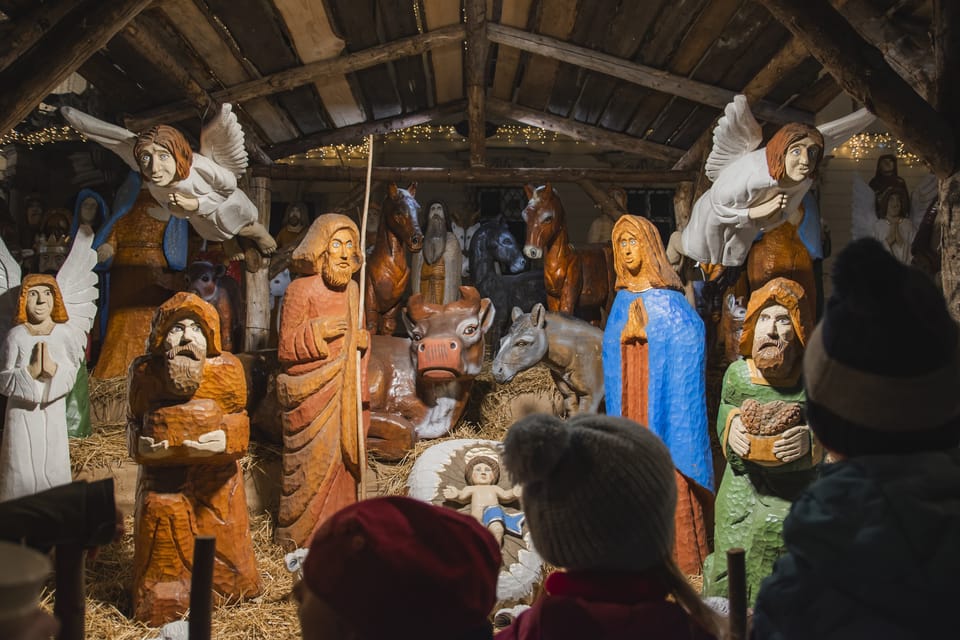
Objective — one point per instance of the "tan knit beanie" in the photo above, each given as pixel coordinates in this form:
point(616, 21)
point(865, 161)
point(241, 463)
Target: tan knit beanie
point(598, 491)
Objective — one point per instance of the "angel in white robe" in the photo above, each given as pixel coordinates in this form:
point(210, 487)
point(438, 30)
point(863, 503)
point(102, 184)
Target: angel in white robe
point(884, 215)
point(755, 190)
point(199, 187)
point(40, 357)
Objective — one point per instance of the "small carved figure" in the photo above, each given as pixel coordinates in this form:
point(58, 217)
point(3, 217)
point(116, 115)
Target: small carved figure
point(771, 452)
point(90, 209)
point(891, 216)
point(319, 341)
point(42, 353)
point(463, 225)
point(295, 220)
point(199, 187)
point(211, 283)
point(278, 288)
point(753, 189)
point(571, 348)
point(484, 495)
point(436, 269)
point(188, 429)
point(51, 252)
point(654, 363)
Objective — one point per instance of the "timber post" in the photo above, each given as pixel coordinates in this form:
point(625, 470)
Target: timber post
point(256, 331)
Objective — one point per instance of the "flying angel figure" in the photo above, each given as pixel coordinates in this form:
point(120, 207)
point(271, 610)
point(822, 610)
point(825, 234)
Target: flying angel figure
point(755, 190)
point(884, 216)
point(41, 354)
point(199, 187)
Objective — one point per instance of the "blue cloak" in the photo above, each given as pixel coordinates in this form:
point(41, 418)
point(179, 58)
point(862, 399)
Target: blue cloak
point(677, 410)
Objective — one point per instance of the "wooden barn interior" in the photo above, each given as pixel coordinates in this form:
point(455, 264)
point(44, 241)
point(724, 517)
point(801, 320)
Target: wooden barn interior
point(471, 100)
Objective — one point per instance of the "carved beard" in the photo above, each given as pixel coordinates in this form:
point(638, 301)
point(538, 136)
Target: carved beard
point(336, 276)
point(435, 239)
point(184, 369)
point(776, 359)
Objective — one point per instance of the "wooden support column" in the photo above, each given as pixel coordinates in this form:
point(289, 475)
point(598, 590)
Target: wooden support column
point(946, 98)
point(607, 204)
point(256, 333)
point(59, 53)
point(28, 29)
point(683, 204)
point(477, 47)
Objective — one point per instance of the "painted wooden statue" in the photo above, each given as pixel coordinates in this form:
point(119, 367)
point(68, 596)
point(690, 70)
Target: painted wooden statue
point(388, 273)
point(654, 367)
point(212, 283)
point(577, 280)
point(754, 190)
point(42, 353)
point(319, 341)
point(891, 215)
point(188, 429)
point(295, 220)
point(571, 348)
point(419, 387)
point(771, 452)
point(464, 224)
point(199, 187)
point(436, 269)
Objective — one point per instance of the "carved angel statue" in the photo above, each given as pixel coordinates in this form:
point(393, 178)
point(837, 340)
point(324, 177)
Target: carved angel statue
point(883, 215)
point(755, 190)
point(199, 187)
point(42, 352)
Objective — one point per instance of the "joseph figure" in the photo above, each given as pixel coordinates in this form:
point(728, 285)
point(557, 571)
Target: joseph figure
point(654, 360)
point(320, 337)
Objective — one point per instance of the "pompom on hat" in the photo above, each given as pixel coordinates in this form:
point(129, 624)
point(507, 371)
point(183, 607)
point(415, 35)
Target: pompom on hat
point(21, 580)
point(378, 562)
point(882, 370)
point(599, 492)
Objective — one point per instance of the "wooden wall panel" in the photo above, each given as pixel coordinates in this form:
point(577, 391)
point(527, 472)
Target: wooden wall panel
point(514, 13)
point(556, 20)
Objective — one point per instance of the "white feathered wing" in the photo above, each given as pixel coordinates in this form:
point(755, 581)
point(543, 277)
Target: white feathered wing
point(9, 288)
point(736, 134)
point(221, 140)
point(78, 282)
point(838, 131)
point(863, 209)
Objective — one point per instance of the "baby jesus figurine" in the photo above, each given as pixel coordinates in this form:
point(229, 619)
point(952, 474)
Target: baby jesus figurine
point(482, 473)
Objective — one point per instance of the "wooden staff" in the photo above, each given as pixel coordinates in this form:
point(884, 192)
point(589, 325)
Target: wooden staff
point(362, 324)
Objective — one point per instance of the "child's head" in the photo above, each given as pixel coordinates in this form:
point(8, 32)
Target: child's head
point(598, 492)
point(482, 469)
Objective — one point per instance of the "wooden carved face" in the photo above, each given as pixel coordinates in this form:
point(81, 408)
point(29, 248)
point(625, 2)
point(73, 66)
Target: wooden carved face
point(775, 340)
point(801, 159)
point(40, 301)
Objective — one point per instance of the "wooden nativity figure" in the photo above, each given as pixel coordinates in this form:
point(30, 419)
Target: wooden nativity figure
point(891, 216)
point(654, 362)
point(188, 429)
point(755, 190)
point(485, 496)
point(295, 220)
point(320, 336)
point(771, 452)
point(42, 352)
point(199, 187)
point(436, 268)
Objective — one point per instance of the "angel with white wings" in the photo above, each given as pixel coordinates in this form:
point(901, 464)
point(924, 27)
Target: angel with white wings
point(755, 190)
point(199, 187)
point(884, 215)
point(41, 354)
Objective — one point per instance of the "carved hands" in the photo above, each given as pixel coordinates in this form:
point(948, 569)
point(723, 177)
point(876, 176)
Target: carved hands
point(207, 444)
point(793, 444)
point(769, 208)
point(737, 438)
point(42, 366)
point(186, 204)
point(330, 328)
point(105, 252)
point(450, 492)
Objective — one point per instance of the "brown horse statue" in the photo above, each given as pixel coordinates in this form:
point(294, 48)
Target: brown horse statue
point(387, 270)
point(579, 281)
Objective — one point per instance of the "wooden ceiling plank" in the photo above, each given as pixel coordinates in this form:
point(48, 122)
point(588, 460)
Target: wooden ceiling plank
point(358, 132)
point(557, 18)
point(27, 30)
point(515, 13)
point(643, 75)
point(580, 131)
point(863, 73)
point(314, 39)
point(472, 175)
point(447, 61)
point(100, 71)
point(397, 19)
point(58, 54)
point(590, 31)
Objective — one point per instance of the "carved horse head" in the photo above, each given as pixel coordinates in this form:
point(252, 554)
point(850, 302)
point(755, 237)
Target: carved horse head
point(399, 215)
point(544, 217)
point(493, 242)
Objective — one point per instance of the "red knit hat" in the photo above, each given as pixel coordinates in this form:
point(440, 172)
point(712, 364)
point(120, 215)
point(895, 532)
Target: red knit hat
point(380, 563)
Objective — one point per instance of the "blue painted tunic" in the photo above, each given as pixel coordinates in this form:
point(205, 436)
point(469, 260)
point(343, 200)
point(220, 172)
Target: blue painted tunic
point(677, 410)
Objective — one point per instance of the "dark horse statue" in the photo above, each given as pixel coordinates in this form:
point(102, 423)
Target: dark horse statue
point(494, 245)
point(387, 270)
point(578, 281)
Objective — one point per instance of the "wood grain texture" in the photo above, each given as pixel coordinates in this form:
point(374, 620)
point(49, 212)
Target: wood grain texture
point(557, 19)
point(447, 61)
point(514, 13)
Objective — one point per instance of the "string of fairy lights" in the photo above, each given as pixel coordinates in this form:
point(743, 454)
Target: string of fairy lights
point(865, 145)
point(41, 137)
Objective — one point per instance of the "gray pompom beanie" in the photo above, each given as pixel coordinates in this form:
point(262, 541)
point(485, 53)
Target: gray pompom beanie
point(599, 492)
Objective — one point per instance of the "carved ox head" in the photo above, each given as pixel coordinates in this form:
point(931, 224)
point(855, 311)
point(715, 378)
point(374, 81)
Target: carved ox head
point(447, 340)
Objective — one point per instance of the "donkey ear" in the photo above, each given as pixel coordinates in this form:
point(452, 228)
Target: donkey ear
point(516, 313)
point(392, 190)
point(412, 189)
point(528, 190)
point(538, 315)
point(486, 314)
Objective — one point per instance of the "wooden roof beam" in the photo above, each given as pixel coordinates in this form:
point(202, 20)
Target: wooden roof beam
point(59, 53)
point(358, 132)
point(638, 74)
point(476, 60)
point(863, 73)
point(27, 30)
point(306, 74)
point(472, 175)
point(582, 132)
